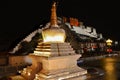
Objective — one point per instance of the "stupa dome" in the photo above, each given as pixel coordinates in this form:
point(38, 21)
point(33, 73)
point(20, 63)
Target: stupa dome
point(53, 33)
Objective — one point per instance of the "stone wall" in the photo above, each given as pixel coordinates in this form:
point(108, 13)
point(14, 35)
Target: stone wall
point(19, 60)
point(3, 60)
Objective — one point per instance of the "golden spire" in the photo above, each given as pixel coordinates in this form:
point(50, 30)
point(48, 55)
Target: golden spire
point(53, 16)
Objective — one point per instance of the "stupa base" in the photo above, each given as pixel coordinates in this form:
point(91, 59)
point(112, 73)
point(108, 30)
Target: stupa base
point(75, 73)
point(54, 68)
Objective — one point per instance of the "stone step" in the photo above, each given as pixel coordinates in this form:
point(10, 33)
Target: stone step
point(54, 53)
point(51, 51)
point(56, 49)
point(68, 74)
point(53, 44)
point(53, 47)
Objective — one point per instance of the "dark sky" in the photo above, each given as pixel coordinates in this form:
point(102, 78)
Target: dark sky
point(20, 17)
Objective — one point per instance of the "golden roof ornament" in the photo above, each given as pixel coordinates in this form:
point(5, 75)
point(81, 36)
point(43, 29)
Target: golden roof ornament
point(53, 16)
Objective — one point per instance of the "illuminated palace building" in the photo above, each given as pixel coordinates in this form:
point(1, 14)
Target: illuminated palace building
point(53, 51)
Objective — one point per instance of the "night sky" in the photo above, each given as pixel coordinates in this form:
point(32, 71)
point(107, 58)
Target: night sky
point(19, 17)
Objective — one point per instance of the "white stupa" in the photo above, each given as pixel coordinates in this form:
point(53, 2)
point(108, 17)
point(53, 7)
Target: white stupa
point(54, 59)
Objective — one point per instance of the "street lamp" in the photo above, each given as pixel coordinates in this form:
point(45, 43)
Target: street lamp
point(109, 44)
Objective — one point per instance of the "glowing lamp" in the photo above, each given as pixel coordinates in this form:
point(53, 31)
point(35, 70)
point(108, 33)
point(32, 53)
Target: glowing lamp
point(109, 42)
point(53, 34)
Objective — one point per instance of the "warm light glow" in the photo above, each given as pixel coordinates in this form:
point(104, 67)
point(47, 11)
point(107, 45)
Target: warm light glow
point(57, 38)
point(110, 69)
point(109, 42)
point(47, 54)
point(53, 35)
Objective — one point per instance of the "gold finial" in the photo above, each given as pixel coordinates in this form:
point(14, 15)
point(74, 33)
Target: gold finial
point(53, 15)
